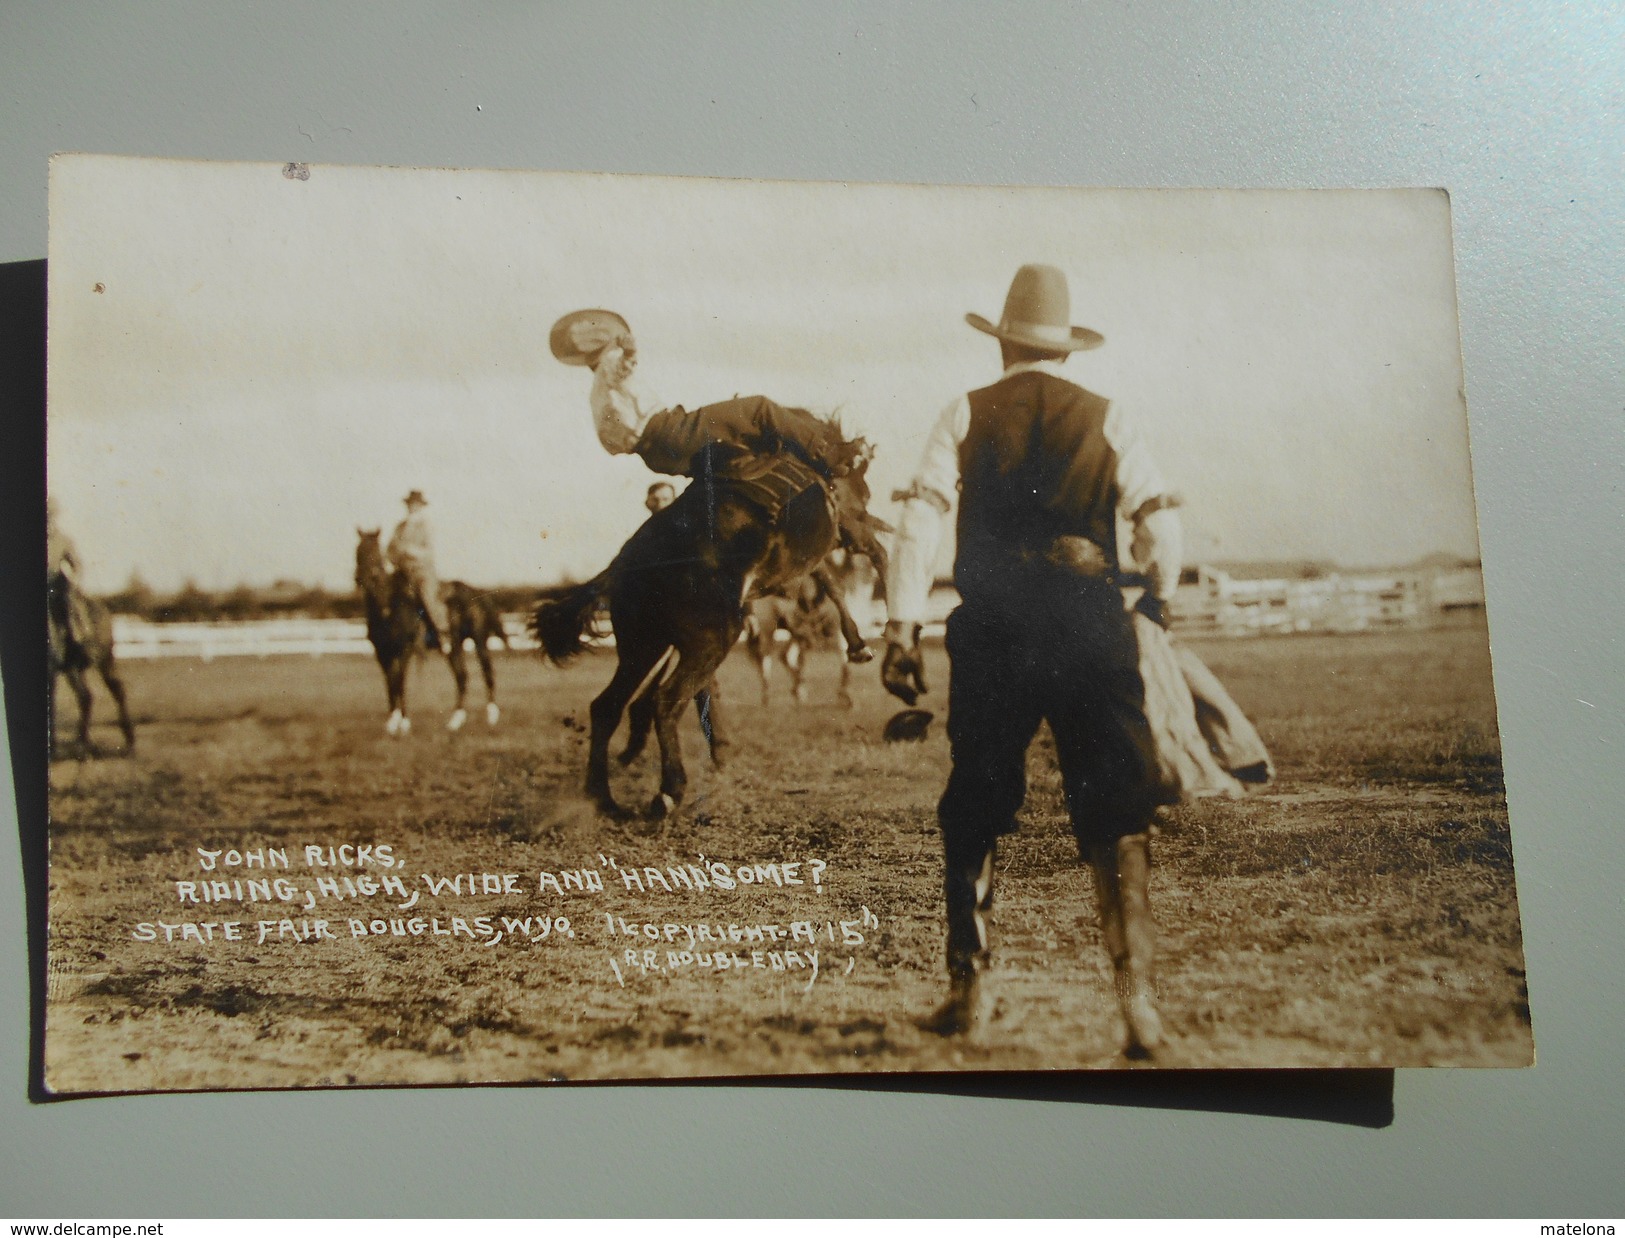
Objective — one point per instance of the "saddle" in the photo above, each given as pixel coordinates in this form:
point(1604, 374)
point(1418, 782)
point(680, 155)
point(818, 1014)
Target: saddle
point(768, 482)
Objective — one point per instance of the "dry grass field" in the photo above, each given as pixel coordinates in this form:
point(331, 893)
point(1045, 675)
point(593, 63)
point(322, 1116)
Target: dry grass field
point(1359, 912)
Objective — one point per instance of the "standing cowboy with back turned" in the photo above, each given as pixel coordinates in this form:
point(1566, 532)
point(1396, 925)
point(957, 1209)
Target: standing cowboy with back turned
point(1043, 470)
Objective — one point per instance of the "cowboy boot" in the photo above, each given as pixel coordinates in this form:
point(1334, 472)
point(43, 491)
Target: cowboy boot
point(969, 891)
point(1122, 887)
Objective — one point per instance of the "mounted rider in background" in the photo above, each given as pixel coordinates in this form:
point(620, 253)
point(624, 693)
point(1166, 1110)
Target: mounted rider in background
point(68, 603)
point(411, 552)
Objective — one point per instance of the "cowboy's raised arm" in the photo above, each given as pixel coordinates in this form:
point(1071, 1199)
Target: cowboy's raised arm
point(620, 405)
point(927, 500)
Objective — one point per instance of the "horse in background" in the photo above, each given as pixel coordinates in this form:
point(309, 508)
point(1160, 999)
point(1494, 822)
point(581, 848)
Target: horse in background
point(72, 657)
point(678, 588)
point(810, 613)
point(399, 631)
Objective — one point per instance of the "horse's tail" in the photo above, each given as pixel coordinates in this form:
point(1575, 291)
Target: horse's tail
point(561, 621)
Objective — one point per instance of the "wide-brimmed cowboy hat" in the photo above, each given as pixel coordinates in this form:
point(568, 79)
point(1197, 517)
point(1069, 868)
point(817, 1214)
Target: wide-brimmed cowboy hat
point(908, 726)
point(415, 497)
point(1037, 313)
point(581, 335)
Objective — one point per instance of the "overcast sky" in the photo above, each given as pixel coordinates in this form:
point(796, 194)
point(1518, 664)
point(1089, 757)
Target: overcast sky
point(245, 367)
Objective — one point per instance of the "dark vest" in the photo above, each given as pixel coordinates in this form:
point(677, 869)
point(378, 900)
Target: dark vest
point(1034, 466)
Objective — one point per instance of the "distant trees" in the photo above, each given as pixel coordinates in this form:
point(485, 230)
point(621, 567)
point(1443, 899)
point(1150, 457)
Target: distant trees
point(136, 598)
point(189, 605)
point(286, 599)
point(194, 604)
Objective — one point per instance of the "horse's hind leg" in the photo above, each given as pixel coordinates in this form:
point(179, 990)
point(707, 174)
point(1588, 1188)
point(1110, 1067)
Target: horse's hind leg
point(795, 661)
point(696, 665)
point(764, 667)
point(115, 687)
point(856, 650)
point(389, 692)
point(459, 671)
point(395, 682)
point(482, 651)
point(81, 693)
point(708, 704)
point(760, 645)
point(640, 720)
point(631, 671)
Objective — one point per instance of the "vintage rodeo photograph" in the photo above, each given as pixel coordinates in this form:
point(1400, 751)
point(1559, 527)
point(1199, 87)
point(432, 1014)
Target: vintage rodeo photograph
point(529, 626)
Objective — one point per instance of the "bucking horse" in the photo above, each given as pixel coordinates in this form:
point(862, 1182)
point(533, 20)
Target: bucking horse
point(678, 589)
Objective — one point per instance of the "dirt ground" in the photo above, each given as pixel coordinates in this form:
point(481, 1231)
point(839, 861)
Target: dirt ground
point(1359, 912)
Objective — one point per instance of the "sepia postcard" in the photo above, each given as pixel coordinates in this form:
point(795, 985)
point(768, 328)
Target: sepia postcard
point(519, 627)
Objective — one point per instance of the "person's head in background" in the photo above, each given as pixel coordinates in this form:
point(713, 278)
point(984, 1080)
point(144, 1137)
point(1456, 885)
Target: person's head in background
point(661, 495)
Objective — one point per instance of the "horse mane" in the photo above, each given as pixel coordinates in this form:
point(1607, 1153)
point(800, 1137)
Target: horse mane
point(373, 576)
point(860, 451)
point(833, 419)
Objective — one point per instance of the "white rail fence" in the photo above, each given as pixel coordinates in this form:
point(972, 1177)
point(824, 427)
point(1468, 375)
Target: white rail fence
point(261, 638)
point(1216, 604)
point(1221, 605)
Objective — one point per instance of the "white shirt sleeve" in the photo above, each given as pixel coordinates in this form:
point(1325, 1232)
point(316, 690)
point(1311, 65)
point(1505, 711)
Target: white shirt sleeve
point(1139, 480)
point(1158, 533)
point(1159, 547)
point(621, 406)
point(919, 529)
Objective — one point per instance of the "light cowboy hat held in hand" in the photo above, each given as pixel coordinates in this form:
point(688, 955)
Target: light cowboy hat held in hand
point(1036, 313)
point(578, 337)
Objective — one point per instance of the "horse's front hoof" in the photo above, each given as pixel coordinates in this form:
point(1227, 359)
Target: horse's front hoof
point(396, 724)
point(599, 796)
point(860, 655)
point(661, 809)
point(457, 720)
point(492, 713)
